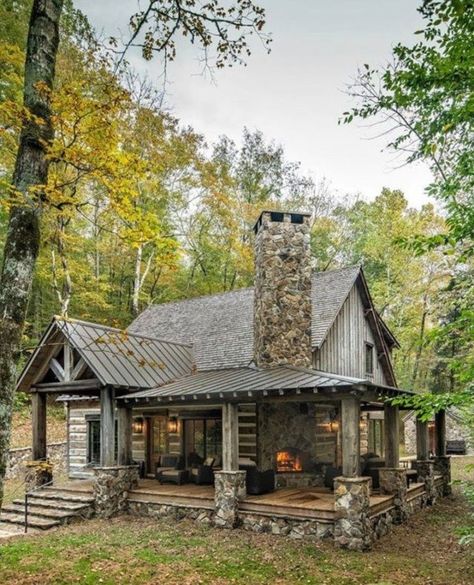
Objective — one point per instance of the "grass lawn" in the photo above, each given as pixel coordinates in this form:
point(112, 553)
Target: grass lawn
point(138, 551)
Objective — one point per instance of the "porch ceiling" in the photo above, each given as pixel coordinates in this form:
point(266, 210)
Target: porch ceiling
point(253, 382)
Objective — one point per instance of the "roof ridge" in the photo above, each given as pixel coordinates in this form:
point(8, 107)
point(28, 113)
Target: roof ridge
point(58, 318)
point(239, 290)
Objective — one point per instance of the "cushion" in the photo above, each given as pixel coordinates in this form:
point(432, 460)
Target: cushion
point(247, 462)
point(168, 461)
point(209, 461)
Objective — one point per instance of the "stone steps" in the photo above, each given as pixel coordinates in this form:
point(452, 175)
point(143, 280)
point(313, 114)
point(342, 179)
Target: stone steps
point(49, 507)
point(34, 521)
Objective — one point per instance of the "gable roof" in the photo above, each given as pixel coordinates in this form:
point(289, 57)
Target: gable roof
point(116, 357)
point(220, 326)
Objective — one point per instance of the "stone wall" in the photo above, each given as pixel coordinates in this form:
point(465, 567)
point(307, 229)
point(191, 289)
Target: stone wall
point(56, 452)
point(282, 310)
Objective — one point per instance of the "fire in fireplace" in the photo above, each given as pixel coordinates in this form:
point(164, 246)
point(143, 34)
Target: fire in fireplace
point(289, 460)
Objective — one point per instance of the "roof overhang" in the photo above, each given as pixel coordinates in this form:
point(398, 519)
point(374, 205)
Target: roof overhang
point(255, 384)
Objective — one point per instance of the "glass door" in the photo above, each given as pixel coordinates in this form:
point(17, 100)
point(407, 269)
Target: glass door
point(157, 436)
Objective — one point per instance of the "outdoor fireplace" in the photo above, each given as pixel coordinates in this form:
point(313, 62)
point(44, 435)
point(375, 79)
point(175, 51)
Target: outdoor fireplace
point(289, 460)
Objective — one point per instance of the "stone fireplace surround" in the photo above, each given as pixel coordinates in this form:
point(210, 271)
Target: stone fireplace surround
point(295, 427)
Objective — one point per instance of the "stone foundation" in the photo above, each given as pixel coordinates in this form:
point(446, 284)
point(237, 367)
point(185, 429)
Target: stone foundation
point(38, 473)
point(425, 471)
point(175, 513)
point(229, 491)
point(352, 528)
point(393, 481)
point(286, 526)
point(111, 487)
point(442, 466)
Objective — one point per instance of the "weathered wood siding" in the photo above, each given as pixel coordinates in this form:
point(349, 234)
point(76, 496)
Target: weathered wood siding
point(77, 436)
point(343, 351)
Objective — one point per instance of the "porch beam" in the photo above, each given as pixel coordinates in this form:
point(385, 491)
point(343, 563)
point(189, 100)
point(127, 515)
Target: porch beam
point(392, 436)
point(440, 431)
point(107, 427)
point(230, 436)
point(38, 415)
point(124, 439)
point(350, 419)
point(422, 448)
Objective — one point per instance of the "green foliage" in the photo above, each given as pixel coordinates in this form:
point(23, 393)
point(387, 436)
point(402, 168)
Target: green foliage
point(426, 99)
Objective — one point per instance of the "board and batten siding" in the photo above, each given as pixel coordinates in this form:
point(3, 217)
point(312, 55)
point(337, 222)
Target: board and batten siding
point(343, 351)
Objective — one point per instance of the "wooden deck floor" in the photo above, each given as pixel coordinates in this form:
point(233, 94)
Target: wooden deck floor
point(308, 503)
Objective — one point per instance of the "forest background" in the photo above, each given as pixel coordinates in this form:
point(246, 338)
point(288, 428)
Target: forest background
point(142, 209)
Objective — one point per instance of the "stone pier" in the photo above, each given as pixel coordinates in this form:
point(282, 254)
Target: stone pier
point(393, 481)
point(111, 487)
point(352, 528)
point(425, 469)
point(442, 466)
point(229, 491)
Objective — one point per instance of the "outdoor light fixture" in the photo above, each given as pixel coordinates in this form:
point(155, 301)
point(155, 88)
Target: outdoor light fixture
point(137, 426)
point(333, 422)
point(173, 425)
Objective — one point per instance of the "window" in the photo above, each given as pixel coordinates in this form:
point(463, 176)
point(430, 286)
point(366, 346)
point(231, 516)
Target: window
point(369, 359)
point(93, 441)
point(203, 437)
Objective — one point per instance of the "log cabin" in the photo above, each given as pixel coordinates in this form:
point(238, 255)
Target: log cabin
point(266, 408)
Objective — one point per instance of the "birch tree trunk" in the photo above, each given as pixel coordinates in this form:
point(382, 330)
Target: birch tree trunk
point(30, 174)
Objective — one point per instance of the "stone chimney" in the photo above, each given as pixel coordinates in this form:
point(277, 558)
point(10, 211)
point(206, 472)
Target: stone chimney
point(282, 306)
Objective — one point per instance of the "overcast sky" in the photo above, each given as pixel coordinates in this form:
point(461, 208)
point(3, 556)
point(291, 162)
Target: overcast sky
point(295, 95)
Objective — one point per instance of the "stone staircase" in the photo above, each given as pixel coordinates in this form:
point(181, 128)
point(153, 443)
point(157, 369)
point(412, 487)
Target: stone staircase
point(51, 506)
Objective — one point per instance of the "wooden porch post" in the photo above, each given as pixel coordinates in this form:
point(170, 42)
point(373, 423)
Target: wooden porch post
point(124, 419)
point(230, 437)
point(107, 427)
point(392, 436)
point(440, 430)
point(422, 450)
point(38, 415)
point(350, 419)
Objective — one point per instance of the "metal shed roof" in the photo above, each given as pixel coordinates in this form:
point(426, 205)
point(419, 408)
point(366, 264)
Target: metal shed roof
point(116, 357)
point(249, 381)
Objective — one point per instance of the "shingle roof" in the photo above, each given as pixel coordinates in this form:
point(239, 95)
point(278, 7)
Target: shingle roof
point(220, 327)
point(116, 357)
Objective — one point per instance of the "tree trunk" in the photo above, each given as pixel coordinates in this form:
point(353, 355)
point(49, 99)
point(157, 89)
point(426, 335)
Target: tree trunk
point(30, 175)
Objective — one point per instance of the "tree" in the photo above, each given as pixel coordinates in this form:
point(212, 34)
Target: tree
point(424, 101)
point(211, 24)
point(30, 176)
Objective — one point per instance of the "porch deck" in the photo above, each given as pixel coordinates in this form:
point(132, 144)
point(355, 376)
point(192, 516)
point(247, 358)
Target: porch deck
point(310, 503)
point(300, 503)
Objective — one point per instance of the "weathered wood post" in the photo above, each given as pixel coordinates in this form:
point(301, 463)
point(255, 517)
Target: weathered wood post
point(392, 436)
point(107, 427)
point(392, 478)
point(230, 482)
point(38, 471)
point(38, 415)
point(350, 419)
point(423, 464)
point(442, 463)
point(352, 493)
point(124, 438)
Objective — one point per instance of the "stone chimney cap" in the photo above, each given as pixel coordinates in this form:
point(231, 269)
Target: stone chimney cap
point(279, 216)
